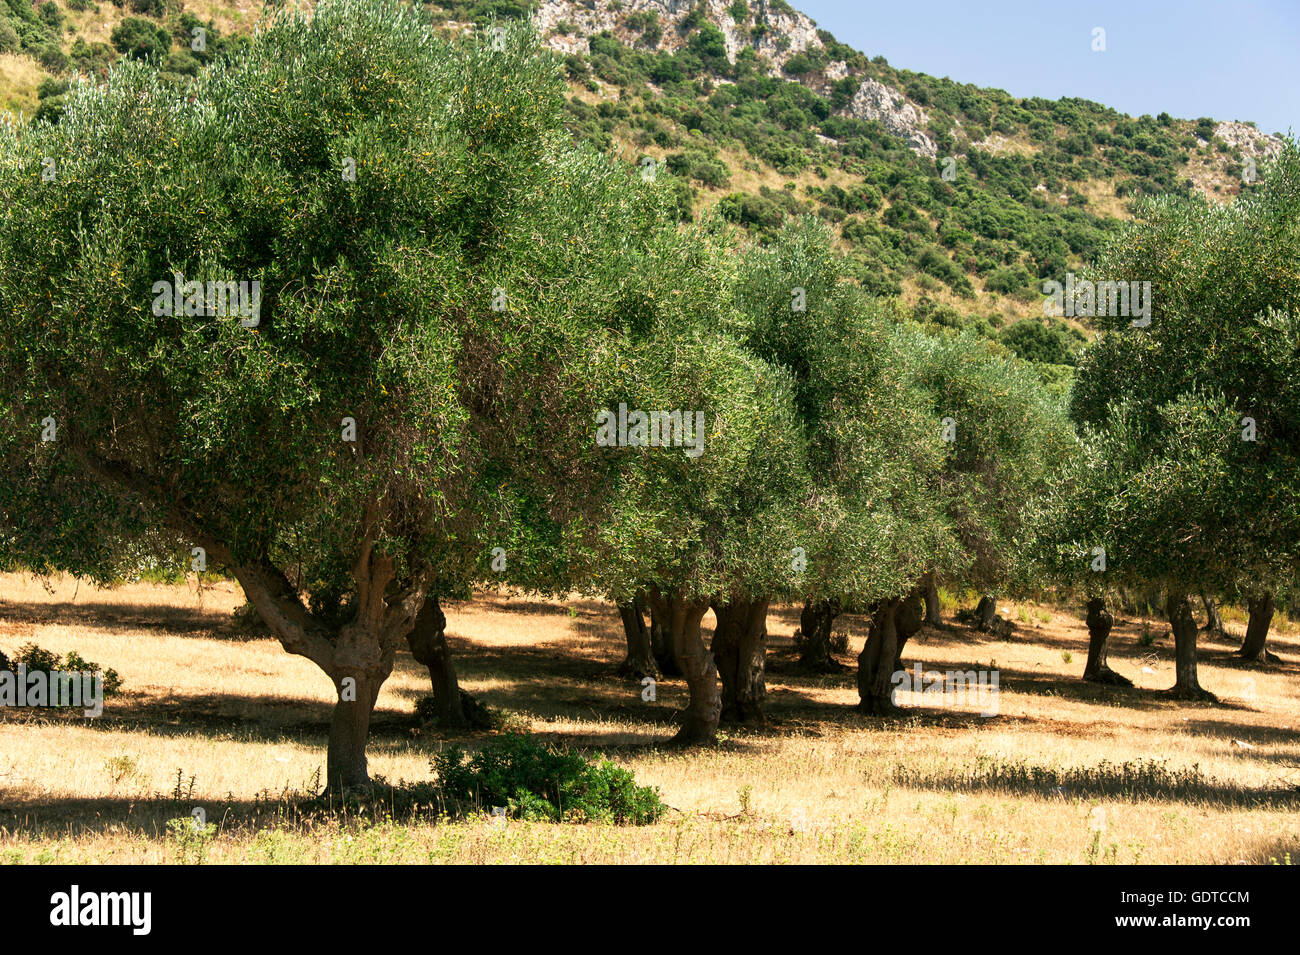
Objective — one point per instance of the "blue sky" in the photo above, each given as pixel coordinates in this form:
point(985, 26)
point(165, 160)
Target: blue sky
point(1228, 60)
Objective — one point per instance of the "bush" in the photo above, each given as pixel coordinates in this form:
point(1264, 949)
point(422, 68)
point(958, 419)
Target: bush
point(535, 781)
point(52, 57)
point(44, 661)
point(50, 110)
point(9, 39)
point(140, 39)
point(183, 62)
point(1034, 341)
point(51, 87)
point(1007, 280)
point(51, 16)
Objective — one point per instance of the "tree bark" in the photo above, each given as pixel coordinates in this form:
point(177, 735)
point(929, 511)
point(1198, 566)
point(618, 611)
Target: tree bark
point(740, 649)
point(815, 621)
point(933, 610)
point(640, 660)
point(427, 640)
point(1261, 616)
point(876, 661)
point(1097, 670)
point(703, 710)
point(362, 662)
point(908, 621)
point(1213, 622)
point(1186, 686)
point(661, 642)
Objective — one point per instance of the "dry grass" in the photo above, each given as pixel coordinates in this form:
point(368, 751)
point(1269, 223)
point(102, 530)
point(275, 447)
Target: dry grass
point(240, 722)
point(19, 77)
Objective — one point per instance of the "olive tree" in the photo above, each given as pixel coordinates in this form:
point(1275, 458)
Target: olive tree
point(1187, 477)
point(308, 311)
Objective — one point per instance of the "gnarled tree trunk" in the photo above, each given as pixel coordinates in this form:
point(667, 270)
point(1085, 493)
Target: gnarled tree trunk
point(681, 619)
point(1213, 622)
point(815, 621)
point(361, 662)
point(908, 621)
point(1099, 622)
point(640, 660)
point(930, 589)
point(1261, 616)
point(877, 659)
point(740, 649)
point(455, 708)
point(661, 643)
point(1186, 686)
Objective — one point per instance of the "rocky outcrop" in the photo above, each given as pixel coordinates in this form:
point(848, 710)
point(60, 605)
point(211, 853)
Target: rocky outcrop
point(773, 30)
point(566, 25)
point(894, 111)
point(1251, 142)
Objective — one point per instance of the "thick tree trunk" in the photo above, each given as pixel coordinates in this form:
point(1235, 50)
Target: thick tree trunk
point(360, 666)
point(933, 610)
point(455, 708)
point(1261, 616)
point(740, 649)
point(1186, 686)
point(815, 621)
point(704, 708)
point(661, 643)
point(985, 611)
point(876, 661)
point(640, 661)
point(1099, 622)
point(908, 621)
point(1213, 622)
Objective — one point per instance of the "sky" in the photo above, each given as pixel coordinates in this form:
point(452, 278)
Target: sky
point(1189, 58)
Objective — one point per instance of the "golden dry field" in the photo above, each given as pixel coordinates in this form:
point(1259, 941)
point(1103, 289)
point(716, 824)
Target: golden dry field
point(221, 719)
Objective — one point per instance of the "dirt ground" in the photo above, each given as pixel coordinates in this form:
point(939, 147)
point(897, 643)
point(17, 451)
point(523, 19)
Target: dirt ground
point(223, 720)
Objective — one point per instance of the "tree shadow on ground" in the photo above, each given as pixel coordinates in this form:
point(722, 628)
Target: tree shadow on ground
point(158, 618)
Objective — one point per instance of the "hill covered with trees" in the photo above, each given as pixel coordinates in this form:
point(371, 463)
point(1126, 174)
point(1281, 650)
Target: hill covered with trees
point(954, 200)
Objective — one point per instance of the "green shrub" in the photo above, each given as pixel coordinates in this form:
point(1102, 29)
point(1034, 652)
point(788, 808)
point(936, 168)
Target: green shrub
point(9, 39)
point(51, 87)
point(536, 781)
point(37, 660)
point(140, 39)
point(183, 62)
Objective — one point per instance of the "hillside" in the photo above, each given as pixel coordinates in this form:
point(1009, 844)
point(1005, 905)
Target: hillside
point(957, 199)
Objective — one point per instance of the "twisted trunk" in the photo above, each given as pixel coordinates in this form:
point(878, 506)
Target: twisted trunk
point(1186, 686)
point(1261, 616)
point(661, 642)
point(681, 619)
point(640, 660)
point(908, 621)
point(815, 621)
point(427, 640)
point(930, 588)
point(1213, 622)
point(877, 659)
point(739, 649)
point(1099, 622)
